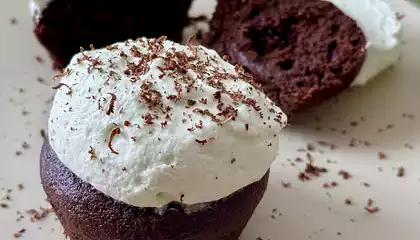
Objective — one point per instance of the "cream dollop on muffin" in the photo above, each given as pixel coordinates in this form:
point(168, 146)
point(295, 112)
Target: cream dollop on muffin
point(149, 121)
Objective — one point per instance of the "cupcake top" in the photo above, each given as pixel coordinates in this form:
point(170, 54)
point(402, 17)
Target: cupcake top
point(149, 122)
point(382, 28)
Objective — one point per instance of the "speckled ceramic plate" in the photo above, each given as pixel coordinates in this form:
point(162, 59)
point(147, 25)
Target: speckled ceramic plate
point(368, 140)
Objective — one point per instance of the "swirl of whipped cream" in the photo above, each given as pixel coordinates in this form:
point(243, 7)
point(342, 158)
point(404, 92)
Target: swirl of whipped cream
point(149, 122)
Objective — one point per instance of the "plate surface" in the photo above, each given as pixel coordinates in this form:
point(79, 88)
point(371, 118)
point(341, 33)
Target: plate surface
point(381, 120)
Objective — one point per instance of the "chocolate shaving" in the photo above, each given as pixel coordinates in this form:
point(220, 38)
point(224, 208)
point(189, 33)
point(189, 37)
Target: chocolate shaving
point(112, 47)
point(191, 47)
point(43, 134)
point(372, 210)
point(207, 113)
point(114, 132)
point(39, 215)
point(99, 102)
point(19, 233)
point(111, 104)
point(65, 73)
point(148, 119)
point(61, 85)
point(191, 102)
point(382, 156)
point(150, 96)
point(202, 142)
point(199, 124)
point(346, 175)
point(92, 153)
point(401, 172)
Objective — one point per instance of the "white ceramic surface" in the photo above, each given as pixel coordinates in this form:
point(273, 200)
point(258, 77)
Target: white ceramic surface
point(304, 211)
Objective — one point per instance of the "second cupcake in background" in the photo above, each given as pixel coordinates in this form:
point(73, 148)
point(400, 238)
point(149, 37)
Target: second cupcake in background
point(304, 52)
point(63, 26)
point(152, 140)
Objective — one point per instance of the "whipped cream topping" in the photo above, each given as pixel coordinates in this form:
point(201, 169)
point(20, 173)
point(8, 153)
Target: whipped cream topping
point(382, 28)
point(149, 122)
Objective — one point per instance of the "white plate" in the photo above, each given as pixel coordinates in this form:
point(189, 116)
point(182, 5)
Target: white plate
point(304, 211)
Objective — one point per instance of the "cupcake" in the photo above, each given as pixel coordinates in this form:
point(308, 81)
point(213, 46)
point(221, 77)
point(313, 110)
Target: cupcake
point(149, 139)
point(304, 52)
point(63, 26)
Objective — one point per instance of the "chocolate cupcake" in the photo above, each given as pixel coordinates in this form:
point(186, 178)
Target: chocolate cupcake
point(152, 140)
point(304, 52)
point(63, 26)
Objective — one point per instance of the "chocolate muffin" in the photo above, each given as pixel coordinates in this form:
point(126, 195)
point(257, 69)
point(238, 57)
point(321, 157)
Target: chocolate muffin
point(302, 52)
point(81, 209)
point(149, 139)
point(63, 26)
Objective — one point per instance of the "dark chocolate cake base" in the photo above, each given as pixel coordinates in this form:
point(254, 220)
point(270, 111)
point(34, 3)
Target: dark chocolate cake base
point(87, 214)
point(66, 25)
point(302, 52)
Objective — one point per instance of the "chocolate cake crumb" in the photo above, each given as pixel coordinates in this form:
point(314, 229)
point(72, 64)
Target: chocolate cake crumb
point(18, 153)
point(401, 172)
point(286, 184)
point(233, 160)
point(21, 187)
point(382, 156)
point(4, 205)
